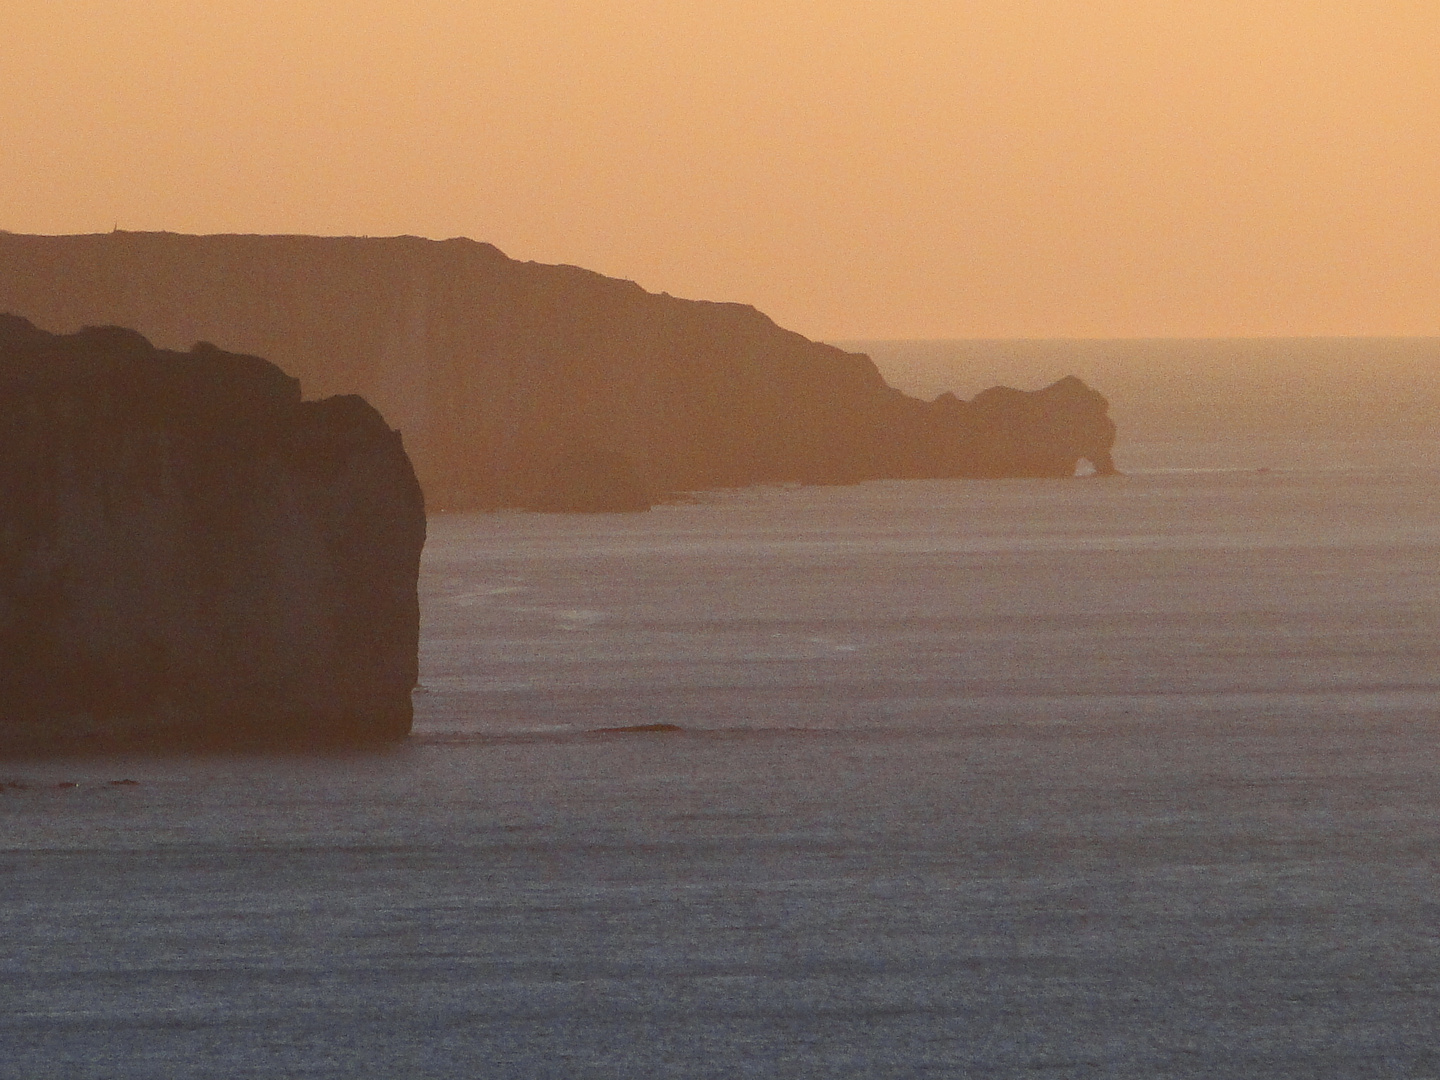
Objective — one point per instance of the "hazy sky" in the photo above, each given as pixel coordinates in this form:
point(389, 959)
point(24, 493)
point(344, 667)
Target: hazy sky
point(855, 169)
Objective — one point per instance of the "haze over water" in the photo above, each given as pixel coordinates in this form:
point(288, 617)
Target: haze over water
point(1127, 778)
point(1247, 392)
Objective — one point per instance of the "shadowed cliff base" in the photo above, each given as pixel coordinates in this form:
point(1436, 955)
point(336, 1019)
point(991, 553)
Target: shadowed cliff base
point(496, 370)
point(193, 558)
point(589, 481)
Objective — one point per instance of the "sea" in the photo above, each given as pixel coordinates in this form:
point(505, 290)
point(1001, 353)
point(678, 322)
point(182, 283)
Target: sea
point(1128, 777)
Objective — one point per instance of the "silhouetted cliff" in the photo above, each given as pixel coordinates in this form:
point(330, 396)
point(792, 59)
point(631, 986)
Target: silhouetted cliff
point(191, 556)
point(496, 370)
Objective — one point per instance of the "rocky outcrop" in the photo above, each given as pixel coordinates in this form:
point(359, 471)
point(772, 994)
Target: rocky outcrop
point(1005, 432)
point(496, 370)
point(192, 557)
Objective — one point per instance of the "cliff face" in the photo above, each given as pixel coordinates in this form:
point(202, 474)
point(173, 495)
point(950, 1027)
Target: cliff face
point(501, 372)
point(191, 556)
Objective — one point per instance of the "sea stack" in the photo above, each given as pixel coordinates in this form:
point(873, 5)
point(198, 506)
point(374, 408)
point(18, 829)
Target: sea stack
point(192, 557)
point(518, 384)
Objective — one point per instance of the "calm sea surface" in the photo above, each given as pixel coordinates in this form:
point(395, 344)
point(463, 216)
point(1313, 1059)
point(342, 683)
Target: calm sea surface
point(1130, 778)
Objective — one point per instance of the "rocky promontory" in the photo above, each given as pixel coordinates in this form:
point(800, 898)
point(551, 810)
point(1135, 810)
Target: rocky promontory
point(525, 385)
point(192, 557)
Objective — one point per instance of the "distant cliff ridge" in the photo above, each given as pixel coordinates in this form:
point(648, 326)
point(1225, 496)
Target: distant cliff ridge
point(192, 557)
point(502, 374)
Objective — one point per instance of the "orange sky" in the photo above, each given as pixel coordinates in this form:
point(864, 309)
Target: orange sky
point(855, 168)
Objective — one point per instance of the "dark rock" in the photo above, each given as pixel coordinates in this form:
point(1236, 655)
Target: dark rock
point(495, 369)
point(640, 729)
point(192, 557)
point(1044, 433)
